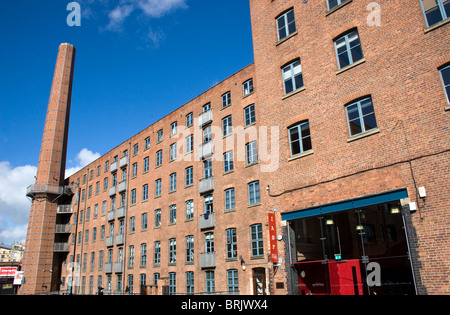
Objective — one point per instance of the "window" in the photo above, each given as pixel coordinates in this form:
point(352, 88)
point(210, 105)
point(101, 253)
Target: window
point(210, 281)
point(173, 182)
point(135, 149)
point(206, 107)
point(146, 164)
point(135, 166)
point(159, 158)
point(132, 224)
point(209, 204)
point(189, 143)
point(292, 77)
point(209, 242)
point(252, 152)
point(189, 176)
point(189, 282)
point(157, 253)
point(286, 24)
point(253, 193)
point(143, 255)
point(158, 188)
point(232, 279)
point(145, 192)
point(133, 197)
point(348, 49)
point(173, 152)
point(207, 136)
point(334, 3)
point(189, 209)
point(229, 199)
point(173, 128)
point(249, 115)
point(228, 161)
point(435, 11)
point(189, 119)
point(207, 169)
point(147, 143)
point(190, 249)
point(227, 126)
point(248, 87)
point(361, 116)
point(300, 138)
point(172, 283)
point(144, 221)
point(445, 76)
point(172, 214)
point(256, 240)
point(172, 251)
point(231, 243)
point(158, 218)
point(159, 136)
point(226, 99)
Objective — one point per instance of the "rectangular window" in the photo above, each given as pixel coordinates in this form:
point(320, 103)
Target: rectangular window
point(348, 49)
point(229, 199)
point(143, 255)
point(361, 117)
point(189, 282)
point(133, 197)
point(207, 134)
point(144, 221)
point(135, 166)
point(158, 218)
point(334, 3)
point(157, 255)
point(132, 224)
point(189, 176)
point(173, 182)
point(300, 138)
point(228, 161)
point(292, 77)
point(173, 152)
point(189, 119)
point(207, 169)
point(232, 280)
point(189, 144)
point(445, 76)
point(189, 209)
point(257, 240)
point(173, 128)
point(147, 143)
point(227, 126)
point(210, 281)
point(172, 214)
point(247, 87)
point(206, 107)
point(135, 149)
point(146, 164)
point(286, 24)
point(172, 251)
point(253, 193)
point(159, 136)
point(158, 188)
point(252, 152)
point(159, 158)
point(435, 11)
point(209, 204)
point(190, 249)
point(145, 192)
point(209, 242)
point(249, 115)
point(172, 283)
point(231, 244)
point(226, 99)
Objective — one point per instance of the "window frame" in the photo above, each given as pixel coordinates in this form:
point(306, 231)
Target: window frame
point(228, 161)
point(286, 22)
point(340, 2)
point(251, 151)
point(255, 189)
point(226, 99)
point(250, 113)
point(442, 11)
point(227, 126)
point(348, 48)
point(247, 87)
point(299, 126)
point(293, 77)
point(447, 94)
point(230, 199)
point(360, 116)
point(256, 240)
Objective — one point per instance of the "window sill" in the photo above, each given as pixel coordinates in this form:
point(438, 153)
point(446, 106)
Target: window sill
point(363, 135)
point(286, 38)
point(447, 108)
point(351, 66)
point(437, 25)
point(301, 155)
point(229, 172)
point(254, 205)
point(247, 95)
point(294, 92)
point(225, 107)
point(338, 7)
point(251, 164)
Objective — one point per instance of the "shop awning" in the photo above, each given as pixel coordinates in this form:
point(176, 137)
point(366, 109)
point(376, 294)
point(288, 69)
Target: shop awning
point(346, 205)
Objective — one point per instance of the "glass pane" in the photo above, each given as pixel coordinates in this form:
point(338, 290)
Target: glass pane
point(298, 81)
point(295, 148)
point(340, 45)
point(307, 145)
point(446, 75)
point(352, 112)
point(428, 4)
point(297, 67)
point(287, 74)
point(434, 16)
point(447, 90)
point(367, 106)
point(343, 60)
point(355, 127)
point(288, 86)
point(332, 4)
point(447, 8)
point(294, 133)
point(370, 122)
point(305, 130)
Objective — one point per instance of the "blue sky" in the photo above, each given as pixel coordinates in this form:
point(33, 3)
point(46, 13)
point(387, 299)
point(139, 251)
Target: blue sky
point(137, 61)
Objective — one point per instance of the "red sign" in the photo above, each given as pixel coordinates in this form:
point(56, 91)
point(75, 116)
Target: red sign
point(273, 239)
point(8, 271)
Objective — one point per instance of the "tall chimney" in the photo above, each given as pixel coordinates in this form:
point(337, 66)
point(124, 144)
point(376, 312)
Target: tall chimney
point(40, 274)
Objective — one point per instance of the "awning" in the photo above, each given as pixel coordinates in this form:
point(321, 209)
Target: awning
point(346, 205)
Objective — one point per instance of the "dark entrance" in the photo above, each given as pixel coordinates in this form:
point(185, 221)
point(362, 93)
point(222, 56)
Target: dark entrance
point(259, 281)
point(337, 253)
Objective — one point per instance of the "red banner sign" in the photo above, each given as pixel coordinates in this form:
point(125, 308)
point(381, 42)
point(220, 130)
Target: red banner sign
point(273, 239)
point(8, 271)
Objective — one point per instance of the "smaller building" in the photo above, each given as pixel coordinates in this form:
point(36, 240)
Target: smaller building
point(11, 253)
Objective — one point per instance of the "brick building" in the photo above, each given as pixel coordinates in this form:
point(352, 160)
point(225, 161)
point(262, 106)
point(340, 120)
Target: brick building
point(339, 129)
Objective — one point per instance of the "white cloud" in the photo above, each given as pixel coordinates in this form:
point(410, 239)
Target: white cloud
point(158, 8)
point(14, 205)
point(117, 16)
point(84, 158)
